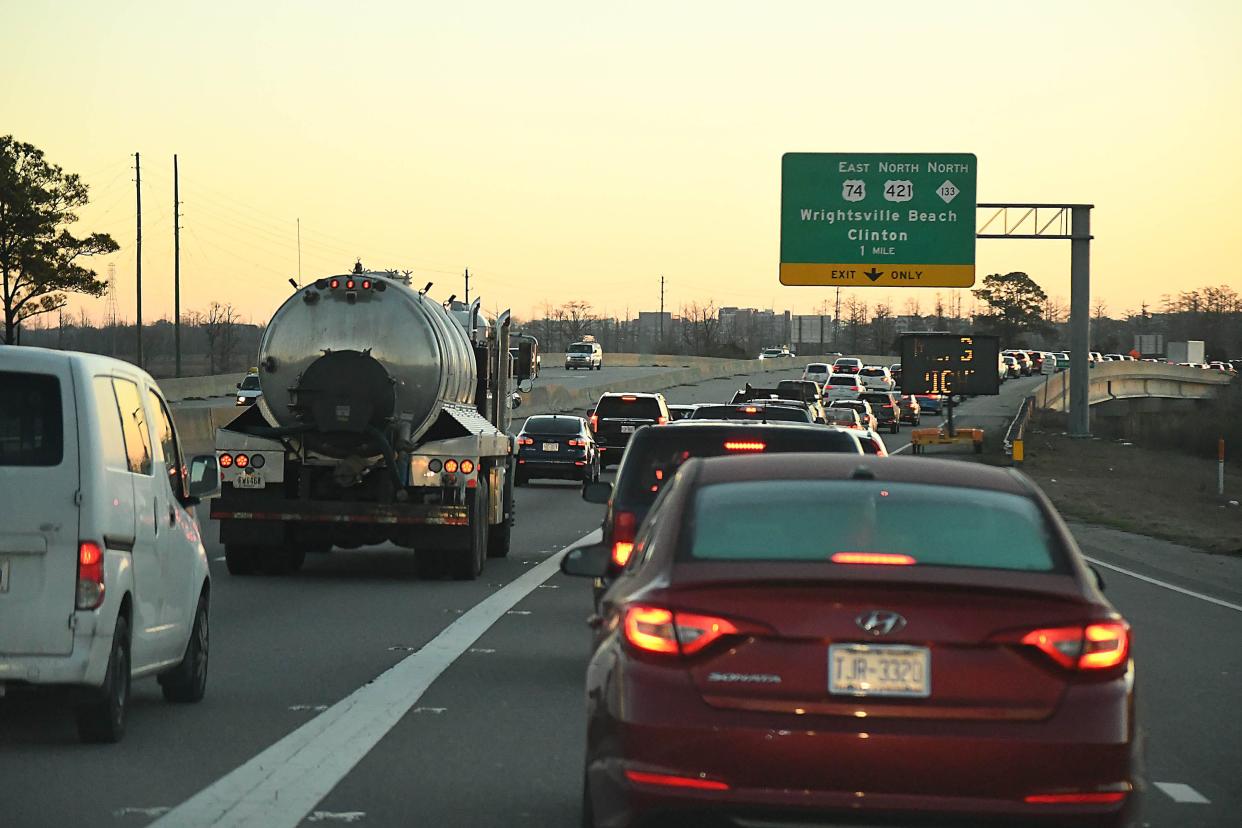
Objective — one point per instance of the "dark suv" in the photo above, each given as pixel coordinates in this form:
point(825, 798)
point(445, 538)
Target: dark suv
point(886, 407)
point(617, 416)
point(655, 454)
point(556, 445)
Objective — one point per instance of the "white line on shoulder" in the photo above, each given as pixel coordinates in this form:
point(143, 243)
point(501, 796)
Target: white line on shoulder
point(1182, 793)
point(1211, 600)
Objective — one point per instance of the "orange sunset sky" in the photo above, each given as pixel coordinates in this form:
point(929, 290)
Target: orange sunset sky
point(578, 151)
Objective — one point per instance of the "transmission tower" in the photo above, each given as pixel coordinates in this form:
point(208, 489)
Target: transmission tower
point(111, 309)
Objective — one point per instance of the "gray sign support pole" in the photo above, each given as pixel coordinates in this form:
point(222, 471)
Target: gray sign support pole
point(1080, 321)
point(1073, 223)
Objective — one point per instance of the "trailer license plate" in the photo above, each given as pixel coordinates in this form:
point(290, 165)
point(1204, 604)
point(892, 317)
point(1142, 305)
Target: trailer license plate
point(4, 575)
point(249, 481)
point(879, 670)
point(551, 446)
point(627, 429)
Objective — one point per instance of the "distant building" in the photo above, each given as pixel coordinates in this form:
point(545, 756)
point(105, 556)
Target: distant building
point(650, 326)
point(810, 333)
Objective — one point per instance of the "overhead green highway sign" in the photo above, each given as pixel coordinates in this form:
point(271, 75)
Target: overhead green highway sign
point(878, 219)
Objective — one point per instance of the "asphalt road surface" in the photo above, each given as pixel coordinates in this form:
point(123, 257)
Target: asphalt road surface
point(354, 693)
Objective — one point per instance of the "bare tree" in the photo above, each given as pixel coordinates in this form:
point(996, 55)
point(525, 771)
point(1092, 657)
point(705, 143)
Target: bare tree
point(220, 327)
point(701, 328)
point(855, 322)
point(578, 320)
point(883, 328)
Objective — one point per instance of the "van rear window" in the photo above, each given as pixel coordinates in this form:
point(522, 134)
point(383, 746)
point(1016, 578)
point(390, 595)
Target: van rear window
point(629, 406)
point(31, 429)
point(766, 520)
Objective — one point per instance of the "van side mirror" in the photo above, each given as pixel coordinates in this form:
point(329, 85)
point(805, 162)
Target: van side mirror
point(587, 561)
point(204, 477)
point(525, 386)
point(597, 492)
point(515, 401)
point(238, 386)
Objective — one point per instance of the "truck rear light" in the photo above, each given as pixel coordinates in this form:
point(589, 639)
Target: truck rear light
point(436, 465)
point(225, 460)
point(257, 461)
point(334, 284)
point(624, 528)
point(467, 467)
point(349, 284)
point(366, 284)
point(450, 466)
point(745, 445)
point(242, 461)
point(90, 592)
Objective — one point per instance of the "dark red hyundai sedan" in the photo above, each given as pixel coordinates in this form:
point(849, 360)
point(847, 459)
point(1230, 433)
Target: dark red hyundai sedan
point(802, 636)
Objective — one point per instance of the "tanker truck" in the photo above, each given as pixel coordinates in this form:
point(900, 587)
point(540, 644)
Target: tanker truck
point(384, 418)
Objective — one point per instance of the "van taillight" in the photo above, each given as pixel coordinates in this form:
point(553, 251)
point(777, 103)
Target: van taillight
point(90, 576)
point(594, 422)
point(624, 527)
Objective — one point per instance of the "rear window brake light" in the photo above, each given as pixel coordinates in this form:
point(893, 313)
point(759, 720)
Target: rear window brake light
point(873, 558)
point(745, 445)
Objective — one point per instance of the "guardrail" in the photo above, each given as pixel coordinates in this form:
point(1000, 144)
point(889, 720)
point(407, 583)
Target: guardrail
point(1016, 432)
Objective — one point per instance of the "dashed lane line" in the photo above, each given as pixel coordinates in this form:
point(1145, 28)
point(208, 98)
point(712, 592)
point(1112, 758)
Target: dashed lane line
point(281, 785)
point(1182, 793)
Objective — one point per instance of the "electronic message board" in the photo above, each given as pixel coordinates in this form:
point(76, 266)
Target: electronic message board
point(943, 363)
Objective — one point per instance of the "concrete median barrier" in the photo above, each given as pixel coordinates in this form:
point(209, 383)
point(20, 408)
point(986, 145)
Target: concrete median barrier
point(197, 426)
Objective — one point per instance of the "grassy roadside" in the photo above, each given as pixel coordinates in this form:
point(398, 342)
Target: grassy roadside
point(1162, 494)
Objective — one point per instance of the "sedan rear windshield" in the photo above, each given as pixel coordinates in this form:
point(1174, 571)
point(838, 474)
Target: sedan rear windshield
point(759, 413)
point(766, 520)
point(654, 457)
point(627, 406)
point(30, 420)
point(552, 425)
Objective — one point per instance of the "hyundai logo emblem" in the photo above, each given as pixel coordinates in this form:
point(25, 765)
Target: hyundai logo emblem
point(880, 622)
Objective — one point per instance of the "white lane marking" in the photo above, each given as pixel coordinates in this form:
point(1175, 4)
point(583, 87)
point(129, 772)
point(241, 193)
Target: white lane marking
point(900, 450)
point(146, 812)
point(435, 710)
point(283, 783)
point(482, 650)
point(318, 708)
point(1219, 602)
point(518, 612)
point(1182, 793)
point(337, 816)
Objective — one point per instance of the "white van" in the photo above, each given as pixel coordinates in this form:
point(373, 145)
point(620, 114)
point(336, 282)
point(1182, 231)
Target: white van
point(103, 576)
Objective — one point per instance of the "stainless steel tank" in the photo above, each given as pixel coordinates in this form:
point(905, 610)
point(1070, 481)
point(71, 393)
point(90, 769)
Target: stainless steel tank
point(358, 352)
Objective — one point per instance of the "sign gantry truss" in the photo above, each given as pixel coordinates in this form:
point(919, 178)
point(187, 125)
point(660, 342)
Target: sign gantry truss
point(1027, 221)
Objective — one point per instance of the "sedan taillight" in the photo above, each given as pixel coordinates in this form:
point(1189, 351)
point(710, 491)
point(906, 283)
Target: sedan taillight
point(1098, 646)
point(659, 630)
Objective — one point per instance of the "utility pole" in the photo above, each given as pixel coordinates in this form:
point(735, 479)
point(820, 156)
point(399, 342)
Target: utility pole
point(467, 286)
point(176, 268)
point(138, 191)
point(661, 308)
point(299, 251)
point(836, 321)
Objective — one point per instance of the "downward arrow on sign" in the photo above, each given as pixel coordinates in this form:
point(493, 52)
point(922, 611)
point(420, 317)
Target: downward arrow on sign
point(873, 274)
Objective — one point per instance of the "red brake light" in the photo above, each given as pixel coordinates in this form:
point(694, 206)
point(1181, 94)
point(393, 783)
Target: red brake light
point(751, 409)
point(629, 398)
point(876, 558)
point(624, 527)
point(1098, 646)
point(334, 284)
point(450, 466)
point(745, 445)
point(650, 629)
point(526, 441)
point(90, 592)
point(366, 284)
point(658, 630)
point(1093, 797)
point(661, 420)
point(669, 781)
point(575, 443)
point(467, 467)
point(226, 460)
point(594, 422)
point(349, 285)
point(242, 461)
